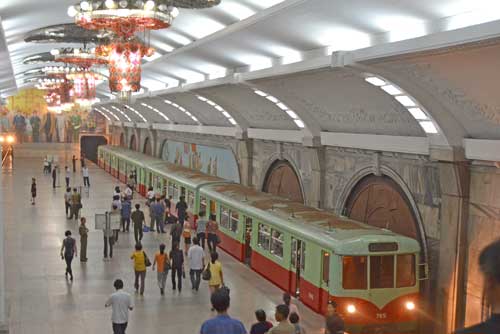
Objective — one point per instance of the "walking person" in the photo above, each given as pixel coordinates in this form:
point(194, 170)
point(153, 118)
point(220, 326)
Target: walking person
point(176, 232)
point(114, 215)
point(287, 300)
point(163, 262)
point(121, 303)
point(76, 204)
point(82, 160)
point(67, 201)
point(222, 323)
point(68, 175)
point(68, 251)
point(126, 212)
point(216, 275)
point(54, 177)
point(177, 258)
point(201, 228)
point(186, 234)
point(45, 166)
point(281, 316)
point(85, 173)
point(84, 232)
point(334, 324)
point(140, 263)
point(33, 191)
point(181, 208)
point(109, 240)
point(294, 320)
point(196, 257)
point(74, 163)
point(262, 326)
point(138, 220)
point(212, 238)
point(157, 214)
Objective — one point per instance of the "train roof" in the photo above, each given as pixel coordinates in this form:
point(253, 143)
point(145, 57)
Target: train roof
point(189, 177)
point(341, 234)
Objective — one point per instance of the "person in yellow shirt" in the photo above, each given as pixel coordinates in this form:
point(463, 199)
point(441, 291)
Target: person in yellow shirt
point(216, 276)
point(139, 257)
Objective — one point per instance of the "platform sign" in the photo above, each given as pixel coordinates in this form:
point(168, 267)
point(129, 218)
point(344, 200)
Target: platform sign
point(100, 221)
point(114, 220)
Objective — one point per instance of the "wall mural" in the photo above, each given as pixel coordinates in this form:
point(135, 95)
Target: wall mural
point(206, 159)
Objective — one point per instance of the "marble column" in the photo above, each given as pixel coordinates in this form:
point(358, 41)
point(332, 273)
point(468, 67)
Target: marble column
point(3, 309)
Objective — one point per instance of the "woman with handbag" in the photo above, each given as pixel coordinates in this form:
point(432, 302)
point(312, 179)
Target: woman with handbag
point(163, 262)
point(216, 280)
point(141, 261)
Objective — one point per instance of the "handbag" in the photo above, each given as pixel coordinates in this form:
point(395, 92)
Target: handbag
point(225, 289)
point(206, 275)
point(147, 262)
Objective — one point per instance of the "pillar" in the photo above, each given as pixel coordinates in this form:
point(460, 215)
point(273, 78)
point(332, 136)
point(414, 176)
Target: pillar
point(245, 158)
point(3, 309)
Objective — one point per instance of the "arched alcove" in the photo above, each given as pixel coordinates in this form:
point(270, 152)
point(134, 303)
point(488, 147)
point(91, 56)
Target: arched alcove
point(133, 143)
point(282, 180)
point(122, 139)
point(147, 149)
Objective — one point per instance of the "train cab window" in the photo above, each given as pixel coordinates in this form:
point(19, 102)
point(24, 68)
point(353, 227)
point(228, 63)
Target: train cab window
point(381, 272)
point(264, 237)
point(405, 270)
point(203, 204)
point(277, 243)
point(235, 217)
point(190, 199)
point(224, 217)
point(354, 272)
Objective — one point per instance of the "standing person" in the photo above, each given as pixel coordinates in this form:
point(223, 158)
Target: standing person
point(150, 195)
point(287, 299)
point(45, 166)
point(201, 228)
point(294, 320)
point(115, 212)
point(281, 316)
point(74, 163)
point(157, 214)
point(138, 220)
point(109, 240)
point(54, 177)
point(212, 228)
point(126, 212)
point(222, 323)
point(262, 326)
point(196, 257)
point(216, 276)
point(127, 193)
point(177, 259)
point(76, 204)
point(82, 159)
point(176, 232)
point(85, 173)
point(163, 261)
point(116, 192)
point(168, 204)
point(489, 264)
point(84, 232)
point(139, 257)
point(186, 234)
point(68, 251)
point(121, 303)
point(68, 175)
point(67, 201)
point(334, 324)
point(181, 208)
point(33, 191)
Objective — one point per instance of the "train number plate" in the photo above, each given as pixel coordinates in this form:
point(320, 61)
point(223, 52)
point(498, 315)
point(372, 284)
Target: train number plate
point(381, 315)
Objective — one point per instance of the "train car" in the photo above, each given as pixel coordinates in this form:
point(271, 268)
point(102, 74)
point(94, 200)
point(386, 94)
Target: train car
point(371, 273)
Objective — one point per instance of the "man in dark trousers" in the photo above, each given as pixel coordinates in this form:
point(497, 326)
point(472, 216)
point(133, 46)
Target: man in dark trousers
point(74, 163)
point(138, 221)
point(54, 177)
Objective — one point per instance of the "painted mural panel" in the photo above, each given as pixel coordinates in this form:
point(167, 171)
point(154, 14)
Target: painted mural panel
point(206, 159)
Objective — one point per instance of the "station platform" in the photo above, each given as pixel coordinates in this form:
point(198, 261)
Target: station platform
point(39, 298)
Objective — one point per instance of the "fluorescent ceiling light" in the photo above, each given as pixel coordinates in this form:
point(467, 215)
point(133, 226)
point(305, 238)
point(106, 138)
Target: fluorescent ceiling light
point(261, 93)
point(218, 107)
point(282, 106)
point(375, 81)
point(201, 98)
point(299, 123)
point(392, 90)
point(272, 99)
point(405, 101)
point(417, 113)
point(232, 121)
point(292, 114)
point(428, 127)
point(226, 114)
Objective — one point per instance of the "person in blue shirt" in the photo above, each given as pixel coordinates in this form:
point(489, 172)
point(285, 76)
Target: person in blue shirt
point(126, 211)
point(222, 323)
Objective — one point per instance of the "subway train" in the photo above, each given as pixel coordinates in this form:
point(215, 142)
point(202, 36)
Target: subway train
point(372, 274)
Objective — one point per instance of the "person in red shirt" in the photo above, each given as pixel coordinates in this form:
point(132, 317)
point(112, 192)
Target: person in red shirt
point(262, 325)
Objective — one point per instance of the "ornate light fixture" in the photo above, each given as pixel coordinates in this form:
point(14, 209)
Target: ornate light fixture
point(79, 57)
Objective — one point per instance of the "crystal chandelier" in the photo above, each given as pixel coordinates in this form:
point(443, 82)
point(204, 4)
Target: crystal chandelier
point(80, 57)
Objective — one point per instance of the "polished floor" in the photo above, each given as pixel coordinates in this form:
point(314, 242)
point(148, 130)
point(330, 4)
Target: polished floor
point(42, 301)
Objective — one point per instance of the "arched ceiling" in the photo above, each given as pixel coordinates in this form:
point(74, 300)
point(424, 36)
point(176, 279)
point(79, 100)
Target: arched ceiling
point(311, 60)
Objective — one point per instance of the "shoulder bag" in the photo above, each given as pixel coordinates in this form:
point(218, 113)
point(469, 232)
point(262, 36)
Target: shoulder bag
point(206, 275)
point(147, 262)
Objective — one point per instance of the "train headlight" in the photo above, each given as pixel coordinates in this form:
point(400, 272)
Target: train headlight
point(351, 309)
point(10, 139)
point(410, 306)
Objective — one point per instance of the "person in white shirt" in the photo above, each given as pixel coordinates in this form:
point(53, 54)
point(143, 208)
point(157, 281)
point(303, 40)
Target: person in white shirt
point(128, 192)
point(85, 172)
point(68, 175)
point(196, 257)
point(121, 303)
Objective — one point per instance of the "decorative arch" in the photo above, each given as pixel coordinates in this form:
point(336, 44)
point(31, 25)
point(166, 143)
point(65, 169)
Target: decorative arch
point(282, 180)
point(147, 149)
point(122, 140)
point(133, 143)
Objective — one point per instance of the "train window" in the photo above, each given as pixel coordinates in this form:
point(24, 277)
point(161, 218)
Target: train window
point(277, 243)
point(203, 204)
point(235, 217)
point(326, 266)
point(354, 272)
point(381, 272)
point(175, 192)
point(224, 217)
point(264, 237)
point(405, 270)
point(303, 256)
point(190, 199)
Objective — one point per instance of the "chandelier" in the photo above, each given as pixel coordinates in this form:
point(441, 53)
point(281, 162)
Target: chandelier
point(80, 57)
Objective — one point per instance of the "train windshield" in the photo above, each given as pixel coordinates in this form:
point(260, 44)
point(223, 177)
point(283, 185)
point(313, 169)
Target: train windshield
point(385, 271)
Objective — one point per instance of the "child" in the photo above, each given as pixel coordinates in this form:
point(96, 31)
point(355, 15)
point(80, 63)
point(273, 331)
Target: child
point(262, 325)
point(33, 191)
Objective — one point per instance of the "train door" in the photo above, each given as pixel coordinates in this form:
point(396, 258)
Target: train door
point(248, 241)
point(298, 264)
